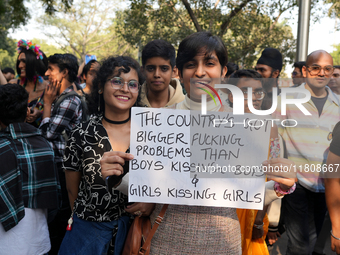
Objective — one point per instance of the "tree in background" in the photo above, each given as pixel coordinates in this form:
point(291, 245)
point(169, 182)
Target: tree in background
point(336, 54)
point(47, 48)
point(334, 10)
point(7, 55)
point(86, 29)
point(9, 60)
point(13, 13)
point(246, 26)
point(252, 31)
point(82, 27)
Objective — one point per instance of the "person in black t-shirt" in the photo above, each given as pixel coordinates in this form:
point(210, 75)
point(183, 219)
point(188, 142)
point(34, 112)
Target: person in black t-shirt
point(332, 186)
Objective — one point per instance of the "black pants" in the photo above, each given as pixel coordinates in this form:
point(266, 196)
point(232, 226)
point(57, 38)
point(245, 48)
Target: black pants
point(57, 227)
point(304, 213)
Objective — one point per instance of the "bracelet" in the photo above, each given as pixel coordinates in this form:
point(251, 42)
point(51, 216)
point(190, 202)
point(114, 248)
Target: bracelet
point(273, 229)
point(278, 189)
point(258, 226)
point(334, 236)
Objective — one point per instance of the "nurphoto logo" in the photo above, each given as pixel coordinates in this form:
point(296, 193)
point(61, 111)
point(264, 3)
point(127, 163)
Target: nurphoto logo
point(302, 96)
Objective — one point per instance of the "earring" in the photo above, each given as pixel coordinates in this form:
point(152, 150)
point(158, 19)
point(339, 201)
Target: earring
point(99, 104)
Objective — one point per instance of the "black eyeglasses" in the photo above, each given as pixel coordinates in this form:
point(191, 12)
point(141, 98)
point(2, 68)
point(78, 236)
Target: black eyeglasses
point(118, 83)
point(316, 69)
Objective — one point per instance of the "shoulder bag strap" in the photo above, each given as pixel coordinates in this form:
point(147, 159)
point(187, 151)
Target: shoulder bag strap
point(158, 221)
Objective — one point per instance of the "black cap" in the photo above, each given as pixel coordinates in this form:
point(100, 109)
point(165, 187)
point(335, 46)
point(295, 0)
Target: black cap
point(271, 57)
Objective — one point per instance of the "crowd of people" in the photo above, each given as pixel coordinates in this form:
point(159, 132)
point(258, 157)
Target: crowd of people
point(65, 131)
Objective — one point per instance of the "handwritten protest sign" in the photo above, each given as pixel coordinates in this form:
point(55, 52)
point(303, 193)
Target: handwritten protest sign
point(183, 157)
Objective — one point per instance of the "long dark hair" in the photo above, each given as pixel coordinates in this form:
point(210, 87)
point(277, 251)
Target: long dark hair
point(34, 66)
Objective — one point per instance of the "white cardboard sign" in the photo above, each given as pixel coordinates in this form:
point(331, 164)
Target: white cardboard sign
point(183, 157)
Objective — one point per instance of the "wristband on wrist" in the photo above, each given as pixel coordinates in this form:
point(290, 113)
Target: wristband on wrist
point(278, 189)
point(259, 226)
point(334, 236)
point(273, 229)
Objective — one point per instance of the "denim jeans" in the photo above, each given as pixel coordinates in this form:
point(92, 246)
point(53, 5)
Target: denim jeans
point(304, 213)
point(90, 237)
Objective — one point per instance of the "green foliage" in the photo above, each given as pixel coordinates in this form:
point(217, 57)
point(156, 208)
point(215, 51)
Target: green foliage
point(9, 60)
point(250, 33)
point(336, 55)
point(246, 27)
point(87, 28)
point(334, 10)
point(50, 6)
point(13, 13)
point(48, 49)
point(8, 55)
point(141, 22)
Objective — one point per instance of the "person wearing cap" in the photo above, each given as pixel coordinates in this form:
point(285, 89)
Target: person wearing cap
point(269, 66)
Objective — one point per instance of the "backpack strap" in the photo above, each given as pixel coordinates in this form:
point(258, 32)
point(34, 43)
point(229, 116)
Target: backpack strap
point(61, 99)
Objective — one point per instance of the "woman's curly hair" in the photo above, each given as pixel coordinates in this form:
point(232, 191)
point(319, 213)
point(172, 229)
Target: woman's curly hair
point(106, 71)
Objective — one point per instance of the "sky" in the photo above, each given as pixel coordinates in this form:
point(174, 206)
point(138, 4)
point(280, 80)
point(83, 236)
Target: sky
point(322, 34)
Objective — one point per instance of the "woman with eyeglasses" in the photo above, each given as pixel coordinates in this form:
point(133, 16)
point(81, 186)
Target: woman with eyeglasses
point(196, 229)
point(99, 221)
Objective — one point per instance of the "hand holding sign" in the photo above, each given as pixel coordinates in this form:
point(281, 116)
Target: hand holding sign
point(181, 157)
point(282, 171)
point(112, 163)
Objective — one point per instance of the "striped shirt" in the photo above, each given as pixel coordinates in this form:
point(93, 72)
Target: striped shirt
point(68, 115)
point(308, 142)
point(28, 177)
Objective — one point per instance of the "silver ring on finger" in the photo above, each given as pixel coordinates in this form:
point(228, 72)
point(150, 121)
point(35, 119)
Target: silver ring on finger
point(138, 213)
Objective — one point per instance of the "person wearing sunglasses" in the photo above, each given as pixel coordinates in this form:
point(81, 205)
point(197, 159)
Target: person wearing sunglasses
point(334, 83)
point(99, 221)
